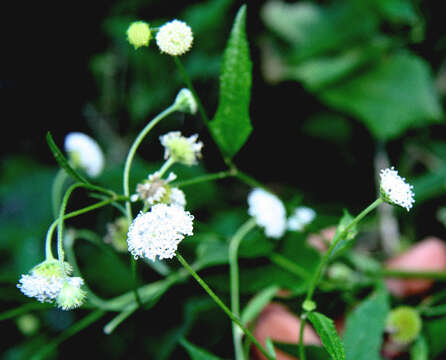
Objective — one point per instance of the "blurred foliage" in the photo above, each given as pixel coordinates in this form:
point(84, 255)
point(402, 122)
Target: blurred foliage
point(363, 69)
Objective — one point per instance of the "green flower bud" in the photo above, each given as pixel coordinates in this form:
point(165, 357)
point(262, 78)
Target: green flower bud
point(185, 101)
point(404, 324)
point(139, 34)
point(71, 295)
point(309, 305)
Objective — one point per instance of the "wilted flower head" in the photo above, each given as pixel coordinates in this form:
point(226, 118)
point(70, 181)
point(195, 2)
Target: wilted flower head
point(44, 281)
point(301, 217)
point(268, 211)
point(394, 189)
point(158, 232)
point(139, 34)
point(186, 102)
point(71, 294)
point(116, 234)
point(174, 38)
point(84, 153)
point(181, 149)
point(404, 324)
point(155, 190)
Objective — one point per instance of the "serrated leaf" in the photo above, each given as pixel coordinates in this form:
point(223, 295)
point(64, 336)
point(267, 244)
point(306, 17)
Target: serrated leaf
point(365, 326)
point(231, 125)
point(312, 352)
point(197, 353)
point(63, 162)
point(325, 328)
point(393, 96)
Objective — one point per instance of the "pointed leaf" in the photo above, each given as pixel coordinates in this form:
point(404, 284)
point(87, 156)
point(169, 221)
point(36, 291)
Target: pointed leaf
point(325, 328)
point(257, 303)
point(231, 125)
point(197, 353)
point(63, 162)
point(364, 328)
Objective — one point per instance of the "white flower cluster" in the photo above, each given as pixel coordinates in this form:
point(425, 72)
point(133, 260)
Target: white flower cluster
point(268, 211)
point(85, 153)
point(394, 189)
point(156, 190)
point(158, 232)
point(50, 281)
point(181, 149)
point(300, 218)
point(174, 38)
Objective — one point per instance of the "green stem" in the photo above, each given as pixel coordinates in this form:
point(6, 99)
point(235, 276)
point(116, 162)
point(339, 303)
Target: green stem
point(204, 178)
point(24, 309)
point(289, 265)
point(170, 161)
point(248, 179)
point(303, 321)
point(189, 84)
point(132, 152)
point(223, 306)
point(49, 235)
point(322, 264)
point(411, 274)
point(72, 330)
point(234, 281)
point(56, 191)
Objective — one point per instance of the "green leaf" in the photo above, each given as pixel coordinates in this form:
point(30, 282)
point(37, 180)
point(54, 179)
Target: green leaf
point(435, 331)
point(197, 353)
point(257, 303)
point(365, 327)
point(347, 239)
point(325, 328)
point(393, 96)
point(63, 161)
point(231, 125)
point(419, 350)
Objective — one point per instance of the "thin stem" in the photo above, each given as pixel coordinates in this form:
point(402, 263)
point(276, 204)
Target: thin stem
point(248, 179)
point(234, 282)
point(26, 308)
point(303, 321)
point(321, 267)
point(289, 265)
point(132, 152)
point(188, 83)
point(72, 330)
point(223, 306)
point(204, 178)
point(411, 274)
point(56, 191)
point(49, 235)
point(112, 325)
point(170, 161)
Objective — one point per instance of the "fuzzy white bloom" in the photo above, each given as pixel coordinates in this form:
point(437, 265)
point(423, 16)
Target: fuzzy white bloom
point(85, 153)
point(268, 211)
point(174, 38)
point(394, 189)
point(301, 217)
point(156, 190)
point(43, 288)
point(158, 232)
point(181, 149)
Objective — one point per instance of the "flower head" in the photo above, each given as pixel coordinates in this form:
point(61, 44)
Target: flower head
point(404, 324)
point(174, 38)
point(84, 153)
point(268, 211)
point(394, 189)
point(158, 232)
point(44, 281)
point(71, 294)
point(301, 217)
point(186, 102)
point(155, 190)
point(116, 234)
point(139, 34)
point(181, 149)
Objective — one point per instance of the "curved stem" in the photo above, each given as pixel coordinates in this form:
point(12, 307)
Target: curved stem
point(49, 234)
point(220, 303)
point(321, 267)
point(234, 282)
point(203, 178)
point(132, 151)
